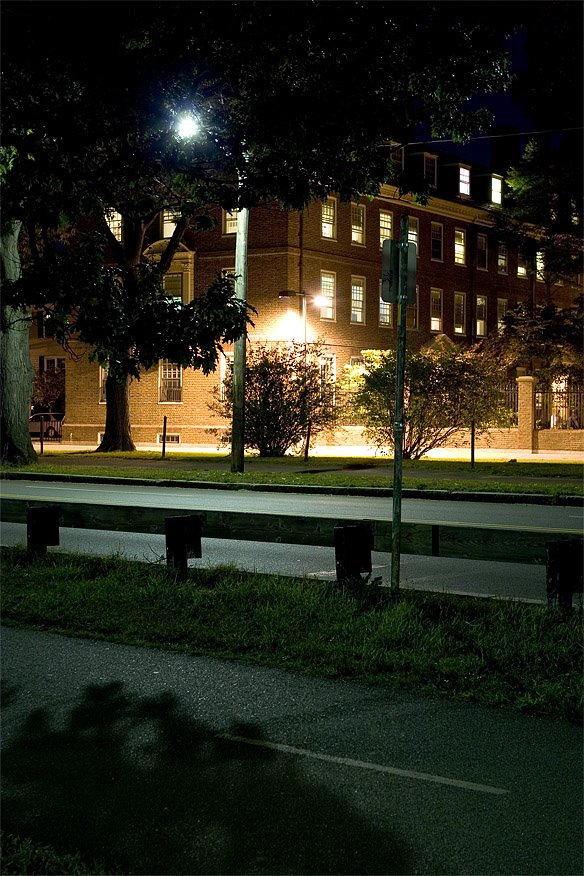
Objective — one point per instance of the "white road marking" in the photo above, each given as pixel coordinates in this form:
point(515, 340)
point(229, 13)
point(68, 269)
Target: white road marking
point(367, 765)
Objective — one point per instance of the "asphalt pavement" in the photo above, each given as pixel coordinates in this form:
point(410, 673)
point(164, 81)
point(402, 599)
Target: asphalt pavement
point(168, 763)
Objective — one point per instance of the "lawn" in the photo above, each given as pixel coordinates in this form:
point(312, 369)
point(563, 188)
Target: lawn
point(544, 478)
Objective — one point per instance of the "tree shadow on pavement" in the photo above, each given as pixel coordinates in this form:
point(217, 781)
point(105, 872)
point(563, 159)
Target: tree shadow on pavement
point(137, 785)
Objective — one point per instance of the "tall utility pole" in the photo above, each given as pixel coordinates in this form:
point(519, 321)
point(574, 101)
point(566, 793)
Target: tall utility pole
point(398, 426)
point(239, 348)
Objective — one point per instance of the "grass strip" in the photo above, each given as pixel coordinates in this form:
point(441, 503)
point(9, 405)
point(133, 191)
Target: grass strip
point(495, 652)
point(552, 479)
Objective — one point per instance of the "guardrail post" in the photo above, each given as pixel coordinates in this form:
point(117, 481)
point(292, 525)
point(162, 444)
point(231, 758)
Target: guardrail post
point(564, 571)
point(353, 545)
point(183, 540)
point(42, 528)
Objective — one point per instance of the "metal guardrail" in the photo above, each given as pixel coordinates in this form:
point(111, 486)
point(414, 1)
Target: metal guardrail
point(492, 543)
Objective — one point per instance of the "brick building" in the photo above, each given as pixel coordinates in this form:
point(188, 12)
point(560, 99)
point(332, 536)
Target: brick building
point(317, 274)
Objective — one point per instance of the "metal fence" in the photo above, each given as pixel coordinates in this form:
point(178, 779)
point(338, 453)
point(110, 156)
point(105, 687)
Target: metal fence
point(559, 410)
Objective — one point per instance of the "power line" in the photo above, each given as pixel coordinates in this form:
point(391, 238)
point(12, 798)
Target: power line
point(491, 137)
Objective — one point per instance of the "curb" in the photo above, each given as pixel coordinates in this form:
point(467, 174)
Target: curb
point(378, 492)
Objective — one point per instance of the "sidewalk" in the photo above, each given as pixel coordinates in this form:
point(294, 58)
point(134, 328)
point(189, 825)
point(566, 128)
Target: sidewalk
point(360, 451)
point(165, 763)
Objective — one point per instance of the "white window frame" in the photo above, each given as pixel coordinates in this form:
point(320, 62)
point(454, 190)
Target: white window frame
point(102, 377)
point(459, 246)
point(430, 168)
point(522, 267)
point(437, 234)
point(460, 307)
point(358, 224)
point(502, 306)
point(357, 300)
point(114, 221)
point(172, 276)
point(464, 181)
point(328, 290)
point(481, 316)
point(385, 226)
point(436, 309)
point(229, 221)
point(414, 232)
point(57, 363)
point(413, 313)
point(328, 369)
point(169, 372)
point(482, 238)
point(385, 311)
point(502, 259)
point(328, 219)
point(169, 220)
point(225, 368)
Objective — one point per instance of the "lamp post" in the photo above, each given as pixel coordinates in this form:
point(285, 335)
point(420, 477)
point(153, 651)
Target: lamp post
point(188, 126)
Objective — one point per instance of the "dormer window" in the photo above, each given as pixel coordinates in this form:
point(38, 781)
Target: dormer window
point(496, 190)
point(464, 181)
point(169, 220)
point(430, 163)
point(114, 221)
point(229, 221)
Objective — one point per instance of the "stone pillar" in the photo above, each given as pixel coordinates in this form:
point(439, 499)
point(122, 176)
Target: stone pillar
point(526, 432)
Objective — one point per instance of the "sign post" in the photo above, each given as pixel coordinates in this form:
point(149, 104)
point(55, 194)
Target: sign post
point(398, 285)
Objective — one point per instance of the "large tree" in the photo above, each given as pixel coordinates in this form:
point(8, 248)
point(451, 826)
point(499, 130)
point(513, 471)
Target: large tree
point(293, 100)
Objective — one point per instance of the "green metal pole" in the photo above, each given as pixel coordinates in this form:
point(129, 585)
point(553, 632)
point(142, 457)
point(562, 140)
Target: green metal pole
point(398, 426)
point(239, 348)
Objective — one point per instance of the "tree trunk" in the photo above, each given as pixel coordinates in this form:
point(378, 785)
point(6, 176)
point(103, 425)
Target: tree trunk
point(16, 371)
point(117, 435)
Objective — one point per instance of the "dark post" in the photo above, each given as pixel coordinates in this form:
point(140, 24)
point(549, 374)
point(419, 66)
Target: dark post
point(353, 545)
point(42, 528)
point(42, 432)
point(398, 428)
point(183, 540)
point(164, 437)
point(472, 443)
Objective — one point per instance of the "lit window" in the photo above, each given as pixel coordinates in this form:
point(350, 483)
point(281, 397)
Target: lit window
point(329, 218)
point(357, 223)
point(481, 316)
point(459, 313)
point(503, 259)
point(328, 374)
point(358, 299)
point(496, 190)
point(413, 311)
point(501, 311)
point(436, 310)
point(229, 221)
point(413, 232)
point(482, 254)
point(225, 371)
point(385, 226)
point(521, 266)
point(436, 241)
point(114, 221)
point(170, 382)
point(327, 290)
point(173, 286)
point(464, 181)
point(102, 379)
point(430, 169)
point(459, 246)
point(169, 220)
point(385, 310)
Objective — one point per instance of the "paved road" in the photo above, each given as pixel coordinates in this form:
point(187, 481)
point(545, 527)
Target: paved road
point(179, 764)
point(553, 518)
